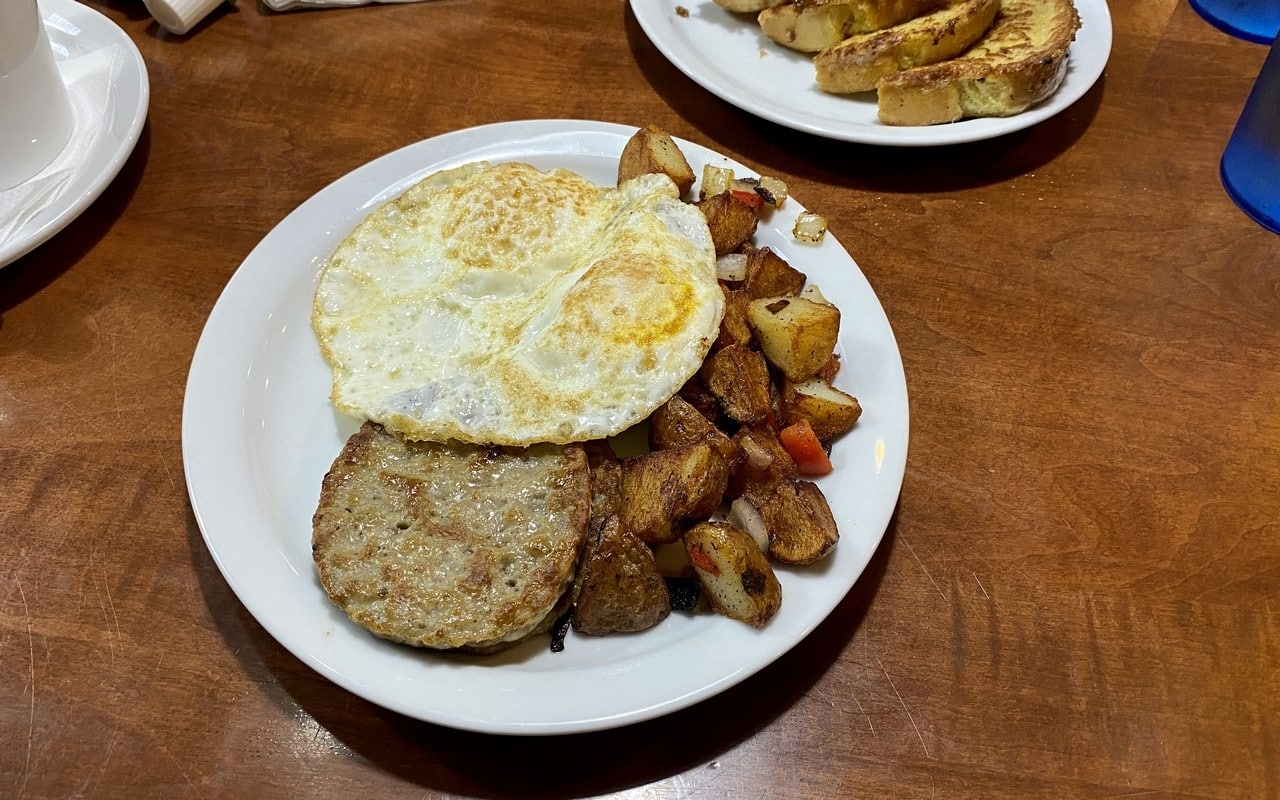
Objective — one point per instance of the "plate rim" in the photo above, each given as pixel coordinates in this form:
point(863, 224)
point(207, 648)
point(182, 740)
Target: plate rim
point(363, 180)
point(656, 19)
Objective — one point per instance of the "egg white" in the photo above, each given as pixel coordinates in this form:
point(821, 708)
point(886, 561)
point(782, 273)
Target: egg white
point(500, 304)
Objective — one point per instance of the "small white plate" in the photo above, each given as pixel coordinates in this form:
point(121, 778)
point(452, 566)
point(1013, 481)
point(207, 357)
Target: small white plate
point(258, 435)
point(728, 56)
point(77, 30)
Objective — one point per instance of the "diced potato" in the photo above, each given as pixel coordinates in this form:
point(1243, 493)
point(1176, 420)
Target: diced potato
point(696, 394)
point(730, 220)
point(664, 488)
point(715, 180)
point(765, 461)
point(828, 371)
point(734, 328)
point(652, 150)
point(798, 519)
point(796, 335)
point(769, 275)
point(618, 586)
point(811, 291)
point(735, 575)
point(830, 411)
point(739, 378)
point(676, 423)
point(809, 227)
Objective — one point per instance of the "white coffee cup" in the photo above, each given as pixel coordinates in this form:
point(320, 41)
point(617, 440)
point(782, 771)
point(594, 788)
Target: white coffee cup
point(35, 111)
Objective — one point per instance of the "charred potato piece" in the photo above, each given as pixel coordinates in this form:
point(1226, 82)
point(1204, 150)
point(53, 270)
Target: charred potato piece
point(619, 588)
point(664, 488)
point(734, 328)
point(736, 577)
point(731, 221)
point(827, 372)
point(769, 275)
point(676, 423)
point(739, 378)
point(796, 335)
point(765, 462)
point(798, 519)
point(652, 150)
point(830, 411)
point(696, 394)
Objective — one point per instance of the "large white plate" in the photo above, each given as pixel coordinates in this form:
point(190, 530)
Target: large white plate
point(258, 435)
point(728, 56)
point(77, 30)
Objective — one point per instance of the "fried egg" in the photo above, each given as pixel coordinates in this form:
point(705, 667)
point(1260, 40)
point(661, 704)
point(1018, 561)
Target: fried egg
point(502, 304)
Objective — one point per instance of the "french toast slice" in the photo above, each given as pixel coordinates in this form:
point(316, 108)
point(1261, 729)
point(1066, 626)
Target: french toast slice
point(1020, 61)
point(747, 6)
point(859, 62)
point(813, 25)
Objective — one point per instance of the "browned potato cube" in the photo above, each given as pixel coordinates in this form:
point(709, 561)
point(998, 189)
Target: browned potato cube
point(651, 150)
point(619, 588)
point(799, 521)
point(730, 221)
point(677, 424)
point(696, 394)
point(769, 275)
point(664, 488)
point(765, 461)
point(739, 377)
point(796, 335)
point(830, 411)
point(736, 576)
point(827, 372)
point(734, 328)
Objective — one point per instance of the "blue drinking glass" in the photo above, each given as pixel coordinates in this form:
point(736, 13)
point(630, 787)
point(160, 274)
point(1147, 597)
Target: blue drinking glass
point(1255, 20)
point(1250, 166)
point(1251, 162)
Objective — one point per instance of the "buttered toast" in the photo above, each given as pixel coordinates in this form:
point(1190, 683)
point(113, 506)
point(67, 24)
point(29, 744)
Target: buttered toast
point(813, 25)
point(1020, 61)
point(860, 61)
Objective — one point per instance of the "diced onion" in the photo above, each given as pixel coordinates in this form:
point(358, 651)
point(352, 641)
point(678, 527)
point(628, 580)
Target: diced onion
point(757, 456)
point(809, 227)
point(776, 188)
point(746, 517)
point(732, 267)
point(715, 180)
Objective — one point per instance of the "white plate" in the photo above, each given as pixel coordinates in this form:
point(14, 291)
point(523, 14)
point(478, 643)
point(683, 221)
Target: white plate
point(258, 435)
point(728, 56)
point(77, 30)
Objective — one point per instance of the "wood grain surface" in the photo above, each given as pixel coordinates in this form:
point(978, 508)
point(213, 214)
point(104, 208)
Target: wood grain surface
point(1079, 593)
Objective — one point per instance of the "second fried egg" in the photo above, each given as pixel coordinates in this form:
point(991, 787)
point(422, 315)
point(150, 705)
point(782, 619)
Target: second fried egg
point(502, 304)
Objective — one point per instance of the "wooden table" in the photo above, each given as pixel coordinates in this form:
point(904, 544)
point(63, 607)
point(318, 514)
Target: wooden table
point(1078, 596)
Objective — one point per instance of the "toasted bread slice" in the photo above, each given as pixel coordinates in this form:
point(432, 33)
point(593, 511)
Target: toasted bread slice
point(1019, 62)
point(450, 546)
point(746, 6)
point(859, 62)
point(813, 25)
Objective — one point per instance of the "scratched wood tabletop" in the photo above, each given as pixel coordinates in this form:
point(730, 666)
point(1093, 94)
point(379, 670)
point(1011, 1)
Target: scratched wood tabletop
point(1077, 596)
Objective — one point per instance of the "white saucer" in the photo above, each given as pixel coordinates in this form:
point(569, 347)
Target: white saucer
point(76, 30)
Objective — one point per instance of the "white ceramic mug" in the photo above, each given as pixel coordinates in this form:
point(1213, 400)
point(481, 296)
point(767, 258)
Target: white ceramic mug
point(35, 111)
